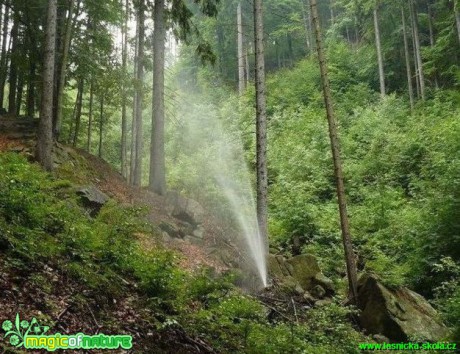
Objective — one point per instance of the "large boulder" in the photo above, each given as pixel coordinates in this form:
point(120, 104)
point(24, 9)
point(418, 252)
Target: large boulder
point(184, 209)
point(400, 315)
point(304, 268)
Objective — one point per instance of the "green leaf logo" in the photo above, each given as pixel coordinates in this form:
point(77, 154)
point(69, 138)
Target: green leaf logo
point(23, 328)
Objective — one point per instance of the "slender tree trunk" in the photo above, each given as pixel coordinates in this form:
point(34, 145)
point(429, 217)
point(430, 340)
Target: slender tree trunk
point(157, 153)
point(45, 127)
point(241, 81)
point(140, 96)
point(124, 118)
point(4, 55)
point(72, 121)
point(133, 125)
point(246, 62)
point(13, 78)
point(331, 7)
point(90, 115)
point(78, 114)
point(418, 53)
point(63, 69)
point(335, 147)
point(20, 91)
point(307, 23)
point(417, 79)
point(379, 52)
point(432, 39)
point(261, 122)
point(101, 127)
point(407, 57)
point(31, 89)
point(457, 17)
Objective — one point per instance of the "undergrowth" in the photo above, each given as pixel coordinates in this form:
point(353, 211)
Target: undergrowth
point(43, 224)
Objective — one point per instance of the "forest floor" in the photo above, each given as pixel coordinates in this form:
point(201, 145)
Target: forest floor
point(73, 307)
point(103, 176)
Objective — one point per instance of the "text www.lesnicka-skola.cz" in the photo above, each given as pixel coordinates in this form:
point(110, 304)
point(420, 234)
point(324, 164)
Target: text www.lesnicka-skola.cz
point(409, 346)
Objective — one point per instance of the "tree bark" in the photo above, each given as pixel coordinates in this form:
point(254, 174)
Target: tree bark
point(432, 39)
point(246, 62)
point(157, 153)
point(417, 79)
point(457, 17)
point(418, 53)
point(13, 78)
point(101, 126)
point(331, 7)
point(63, 70)
point(20, 91)
point(45, 127)
point(307, 23)
point(133, 125)
point(140, 96)
point(124, 119)
point(241, 81)
point(261, 122)
point(407, 57)
point(31, 89)
point(90, 116)
point(335, 147)
point(78, 113)
point(379, 52)
point(4, 55)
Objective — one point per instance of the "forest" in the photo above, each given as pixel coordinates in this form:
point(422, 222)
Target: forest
point(229, 176)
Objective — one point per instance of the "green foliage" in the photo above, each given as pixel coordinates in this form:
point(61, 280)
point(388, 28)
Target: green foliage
point(241, 324)
point(41, 222)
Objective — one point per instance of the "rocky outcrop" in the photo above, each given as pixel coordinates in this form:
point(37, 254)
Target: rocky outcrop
point(400, 315)
point(184, 209)
point(18, 128)
point(93, 199)
point(300, 275)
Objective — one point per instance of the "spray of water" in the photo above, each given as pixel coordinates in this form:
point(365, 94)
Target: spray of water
point(210, 148)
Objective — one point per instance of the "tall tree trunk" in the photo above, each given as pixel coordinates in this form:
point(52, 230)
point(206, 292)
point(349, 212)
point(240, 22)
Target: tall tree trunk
point(307, 23)
point(407, 57)
point(335, 147)
point(4, 55)
point(72, 121)
point(241, 81)
point(78, 113)
point(418, 52)
point(457, 17)
point(20, 91)
point(157, 153)
point(124, 118)
point(31, 89)
point(45, 127)
point(13, 78)
point(261, 122)
point(133, 125)
point(379, 52)
point(63, 70)
point(101, 126)
point(417, 79)
point(432, 40)
point(246, 62)
point(331, 7)
point(90, 116)
point(140, 96)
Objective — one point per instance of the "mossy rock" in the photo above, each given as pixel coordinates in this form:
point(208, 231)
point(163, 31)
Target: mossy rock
point(304, 269)
point(399, 314)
